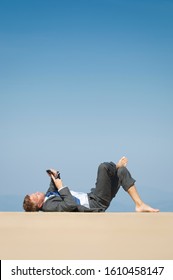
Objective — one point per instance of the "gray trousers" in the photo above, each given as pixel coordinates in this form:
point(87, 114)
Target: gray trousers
point(109, 180)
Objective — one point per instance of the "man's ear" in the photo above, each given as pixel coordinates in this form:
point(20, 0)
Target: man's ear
point(40, 204)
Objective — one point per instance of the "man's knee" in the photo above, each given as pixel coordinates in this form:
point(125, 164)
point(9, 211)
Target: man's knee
point(107, 168)
point(122, 171)
point(102, 167)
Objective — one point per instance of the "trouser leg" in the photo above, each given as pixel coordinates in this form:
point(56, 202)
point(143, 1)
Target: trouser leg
point(125, 178)
point(108, 182)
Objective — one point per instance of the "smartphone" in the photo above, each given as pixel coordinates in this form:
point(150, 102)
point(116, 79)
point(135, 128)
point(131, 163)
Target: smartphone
point(50, 172)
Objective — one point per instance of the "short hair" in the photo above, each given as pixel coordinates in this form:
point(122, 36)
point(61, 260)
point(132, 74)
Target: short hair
point(29, 206)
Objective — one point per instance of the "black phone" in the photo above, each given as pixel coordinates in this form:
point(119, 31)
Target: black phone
point(50, 172)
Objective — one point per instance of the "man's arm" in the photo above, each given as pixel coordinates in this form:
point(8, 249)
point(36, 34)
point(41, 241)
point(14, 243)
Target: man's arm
point(54, 186)
point(64, 203)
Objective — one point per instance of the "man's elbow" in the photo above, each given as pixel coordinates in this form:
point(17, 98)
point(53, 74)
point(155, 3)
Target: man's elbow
point(70, 208)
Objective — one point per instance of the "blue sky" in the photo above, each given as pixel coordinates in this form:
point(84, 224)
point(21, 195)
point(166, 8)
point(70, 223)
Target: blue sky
point(82, 82)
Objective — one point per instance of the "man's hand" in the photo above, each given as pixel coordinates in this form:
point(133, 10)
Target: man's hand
point(58, 182)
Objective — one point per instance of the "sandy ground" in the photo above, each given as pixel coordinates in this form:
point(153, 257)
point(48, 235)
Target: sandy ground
point(92, 236)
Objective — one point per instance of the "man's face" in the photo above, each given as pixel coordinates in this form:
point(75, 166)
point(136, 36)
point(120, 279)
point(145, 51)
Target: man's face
point(37, 198)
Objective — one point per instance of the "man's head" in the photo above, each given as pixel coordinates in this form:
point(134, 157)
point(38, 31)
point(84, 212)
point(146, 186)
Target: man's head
point(33, 202)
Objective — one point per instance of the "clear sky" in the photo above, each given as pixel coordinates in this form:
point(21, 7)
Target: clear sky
point(82, 82)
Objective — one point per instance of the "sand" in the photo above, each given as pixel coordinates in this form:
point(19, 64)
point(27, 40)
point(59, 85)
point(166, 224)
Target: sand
point(92, 236)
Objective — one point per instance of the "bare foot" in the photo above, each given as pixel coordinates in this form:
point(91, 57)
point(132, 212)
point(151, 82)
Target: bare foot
point(122, 162)
point(145, 208)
